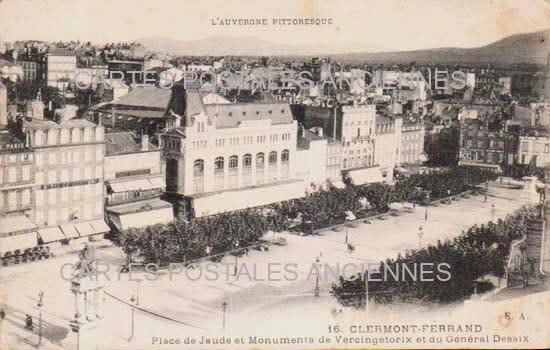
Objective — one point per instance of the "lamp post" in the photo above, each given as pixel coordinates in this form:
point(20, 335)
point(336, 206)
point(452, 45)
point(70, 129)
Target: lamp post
point(427, 204)
point(132, 300)
point(420, 234)
point(317, 277)
point(486, 190)
point(40, 304)
point(449, 195)
point(367, 291)
point(224, 306)
point(236, 256)
point(347, 229)
point(493, 212)
point(137, 291)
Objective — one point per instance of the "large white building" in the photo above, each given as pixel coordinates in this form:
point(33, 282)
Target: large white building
point(223, 157)
point(68, 173)
point(60, 68)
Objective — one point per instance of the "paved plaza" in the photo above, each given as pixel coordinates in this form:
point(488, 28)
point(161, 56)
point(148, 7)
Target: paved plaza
point(190, 302)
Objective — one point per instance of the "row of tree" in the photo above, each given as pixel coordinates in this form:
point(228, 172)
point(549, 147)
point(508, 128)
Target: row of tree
point(220, 233)
point(471, 257)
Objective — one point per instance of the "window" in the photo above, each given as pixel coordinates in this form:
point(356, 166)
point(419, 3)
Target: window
point(260, 160)
point(219, 164)
point(247, 169)
point(272, 165)
point(198, 175)
point(247, 160)
point(284, 164)
point(218, 173)
point(233, 171)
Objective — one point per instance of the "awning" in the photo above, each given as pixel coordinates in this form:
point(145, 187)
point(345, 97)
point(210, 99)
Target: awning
point(21, 242)
point(51, 234)
point(157, 182)
point(84, 229)
point(147, 218)
point(118, 187)
point(69, 231)
point(15, 224)
point(338, 184)
point(248, 197)
point(138, 185)
point(99, 226)
point(366, 175)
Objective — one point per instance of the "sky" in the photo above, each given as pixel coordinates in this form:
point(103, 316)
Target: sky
point(373, 25)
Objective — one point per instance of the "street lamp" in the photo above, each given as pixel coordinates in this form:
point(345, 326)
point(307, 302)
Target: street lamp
point(40, 304)
point(132, 300)
point(493, 212)
point(137, 291)
point(420, 234)
point(236, 256)
point(486, 190)
point(427, 204)
point(224, 305)
point(347, 229)
point(317, 277)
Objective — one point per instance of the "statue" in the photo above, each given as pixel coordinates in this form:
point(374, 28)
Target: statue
point(87, 264)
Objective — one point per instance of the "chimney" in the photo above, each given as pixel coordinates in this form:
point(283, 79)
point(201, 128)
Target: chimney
point(144, 142)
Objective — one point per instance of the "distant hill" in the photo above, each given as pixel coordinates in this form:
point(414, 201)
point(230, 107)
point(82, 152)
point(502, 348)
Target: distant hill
point(519, 48)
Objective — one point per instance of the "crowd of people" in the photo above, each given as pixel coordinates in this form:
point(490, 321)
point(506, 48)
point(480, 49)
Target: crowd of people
point(479, 252)
point(229, 231)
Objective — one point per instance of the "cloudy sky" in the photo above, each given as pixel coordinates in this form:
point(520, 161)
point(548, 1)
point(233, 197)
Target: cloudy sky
point(372, 25)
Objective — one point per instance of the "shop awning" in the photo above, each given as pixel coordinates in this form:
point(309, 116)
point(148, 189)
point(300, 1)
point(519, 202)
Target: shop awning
point(51, 234)
point(20, 241)
point(248, 197)
point(99, 226)
point(15, 224)
point(69, 230)
point(118, 187)
point(147, 218)
point(84, 229)
point(366, 175)
point(157, 182)
point(138, 185)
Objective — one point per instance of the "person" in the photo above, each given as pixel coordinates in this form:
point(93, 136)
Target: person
point(28, 322)
point(2, 314)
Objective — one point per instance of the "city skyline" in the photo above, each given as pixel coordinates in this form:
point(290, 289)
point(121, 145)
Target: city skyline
point(448, 25)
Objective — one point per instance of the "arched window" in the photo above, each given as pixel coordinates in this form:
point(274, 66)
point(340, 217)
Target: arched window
point(247, 160)
point(284, 164)
point(198, 175)
point(219, 176)
point(247, 169)
point(233, 162)
point(260, 159)
point(219, 164)
point(272, 157)
point(284, 156)
point(198, 167)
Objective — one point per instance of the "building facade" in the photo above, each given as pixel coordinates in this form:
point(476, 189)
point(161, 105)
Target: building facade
point(17, 232)
point(60, 68)
point(412, 143)
point(134, 182)
point(68, 162)
point(218, 149)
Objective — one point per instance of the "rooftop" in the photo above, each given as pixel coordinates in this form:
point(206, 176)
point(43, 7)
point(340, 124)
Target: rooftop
point(148, 97)
point(37, 124)
point(230, 115)
point(123, 142)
